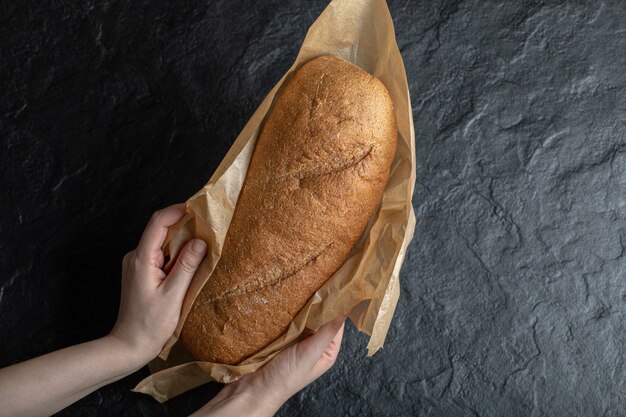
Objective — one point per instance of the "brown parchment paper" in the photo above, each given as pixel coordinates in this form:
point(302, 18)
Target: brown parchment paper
point(367, 285)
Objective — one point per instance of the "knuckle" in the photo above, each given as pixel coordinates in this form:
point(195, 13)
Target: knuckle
point(156, 216)
point(330, 356)
point(330, 359)
point(187, 264)
point(128, 257)
point(136, 263)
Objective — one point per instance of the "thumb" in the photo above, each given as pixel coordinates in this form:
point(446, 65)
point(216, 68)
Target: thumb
point(186, 265)
point(312, 349)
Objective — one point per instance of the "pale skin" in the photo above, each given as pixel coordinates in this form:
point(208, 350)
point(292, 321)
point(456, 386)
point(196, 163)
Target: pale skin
point(149, 312)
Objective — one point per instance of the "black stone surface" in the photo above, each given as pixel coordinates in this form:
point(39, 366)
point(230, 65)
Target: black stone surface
point(513, 293)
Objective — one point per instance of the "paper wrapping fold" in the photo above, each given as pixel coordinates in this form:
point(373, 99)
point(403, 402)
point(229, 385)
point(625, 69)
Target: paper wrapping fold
point(368, 284)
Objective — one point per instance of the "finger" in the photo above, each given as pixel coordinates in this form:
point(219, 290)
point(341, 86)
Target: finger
point(185, 267)
point(149, 248)
point(311, 349)
point(332, 350)
point(329, 356)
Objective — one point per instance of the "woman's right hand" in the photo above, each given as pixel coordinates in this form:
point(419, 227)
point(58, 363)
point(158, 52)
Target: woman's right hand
point(263, 392)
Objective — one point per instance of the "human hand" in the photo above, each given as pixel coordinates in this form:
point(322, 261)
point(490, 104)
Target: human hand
point(149, 312)
point(151, 300)
point(263, 392)
point(299, 365)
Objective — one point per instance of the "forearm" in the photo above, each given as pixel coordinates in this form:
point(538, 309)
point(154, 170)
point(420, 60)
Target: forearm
point(47, 384)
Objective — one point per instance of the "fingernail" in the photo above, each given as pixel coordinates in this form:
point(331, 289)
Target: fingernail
point(198, 246)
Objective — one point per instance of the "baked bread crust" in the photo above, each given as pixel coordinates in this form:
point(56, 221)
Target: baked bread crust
point(317, 174)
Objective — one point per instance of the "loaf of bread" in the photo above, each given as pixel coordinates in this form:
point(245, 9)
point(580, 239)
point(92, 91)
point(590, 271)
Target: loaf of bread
point(317, 174)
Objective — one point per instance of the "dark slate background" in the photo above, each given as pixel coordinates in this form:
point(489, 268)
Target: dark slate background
point(513, 294)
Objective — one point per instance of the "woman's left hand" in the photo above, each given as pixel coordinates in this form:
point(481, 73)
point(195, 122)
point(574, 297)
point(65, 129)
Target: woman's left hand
point(151, 300)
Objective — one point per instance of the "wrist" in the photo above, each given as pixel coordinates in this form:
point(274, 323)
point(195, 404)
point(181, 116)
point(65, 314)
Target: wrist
point(266, 401)
point(241, 398)
point(133, 356)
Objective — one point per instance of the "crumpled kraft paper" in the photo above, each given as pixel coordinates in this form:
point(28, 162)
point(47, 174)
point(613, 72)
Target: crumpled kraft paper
point(368, 284)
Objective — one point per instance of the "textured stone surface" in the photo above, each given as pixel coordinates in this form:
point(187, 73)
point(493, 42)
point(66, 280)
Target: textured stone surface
point(513, 289)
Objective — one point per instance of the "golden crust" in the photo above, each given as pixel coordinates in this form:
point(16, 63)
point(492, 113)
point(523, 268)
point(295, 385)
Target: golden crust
point(316, 176)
